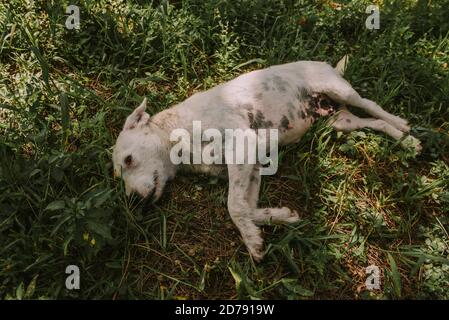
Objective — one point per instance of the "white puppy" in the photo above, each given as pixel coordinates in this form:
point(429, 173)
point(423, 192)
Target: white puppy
point(286, 97)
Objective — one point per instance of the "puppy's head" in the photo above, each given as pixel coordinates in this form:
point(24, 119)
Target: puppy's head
point(141, 155)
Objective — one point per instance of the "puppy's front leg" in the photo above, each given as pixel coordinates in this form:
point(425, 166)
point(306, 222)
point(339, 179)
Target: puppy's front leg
point(266, 215)
point(240, 207)
point(244, 185)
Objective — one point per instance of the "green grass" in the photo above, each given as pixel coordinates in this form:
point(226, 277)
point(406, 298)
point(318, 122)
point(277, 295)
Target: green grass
point(64, 95)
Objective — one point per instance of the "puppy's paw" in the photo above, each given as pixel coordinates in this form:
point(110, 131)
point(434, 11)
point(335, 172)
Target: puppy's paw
point(287, 215)
point(413, 143)
point(400, 124)
point(257, 254)
point(404, 127)
point(256, 250)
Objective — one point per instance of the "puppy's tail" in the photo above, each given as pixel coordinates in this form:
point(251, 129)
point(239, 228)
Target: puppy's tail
point(342, 65)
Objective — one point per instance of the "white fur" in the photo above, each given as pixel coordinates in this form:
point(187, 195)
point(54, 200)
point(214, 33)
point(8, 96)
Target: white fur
point(275, 92)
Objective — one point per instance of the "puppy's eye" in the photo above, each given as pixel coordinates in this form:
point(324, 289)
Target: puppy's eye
point(128, 160)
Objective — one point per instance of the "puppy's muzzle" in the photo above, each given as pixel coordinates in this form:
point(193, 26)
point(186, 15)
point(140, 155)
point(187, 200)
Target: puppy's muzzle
point(150, 198)
point(145, 199)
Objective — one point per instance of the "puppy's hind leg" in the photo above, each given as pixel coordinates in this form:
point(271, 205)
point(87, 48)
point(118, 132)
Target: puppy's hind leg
point(344, 93)
point(345, 121)
point(375, 110)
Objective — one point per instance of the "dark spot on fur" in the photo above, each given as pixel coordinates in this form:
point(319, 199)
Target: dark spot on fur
point(314, 102)
point(302, 94)
point(265, 86)
point(315, 115)
point(348, 120)
point(285, 123)
point(258, 121)
point(258, 96)
point(325, 103)
point(301, 114)
point(266, 211)
point(260, 118)
point(247, 106)
point(320, 105)
point(251, 120)
point(280, 84)
point(290, 114)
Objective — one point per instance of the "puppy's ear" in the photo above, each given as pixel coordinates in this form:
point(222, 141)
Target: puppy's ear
point(138, 117)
